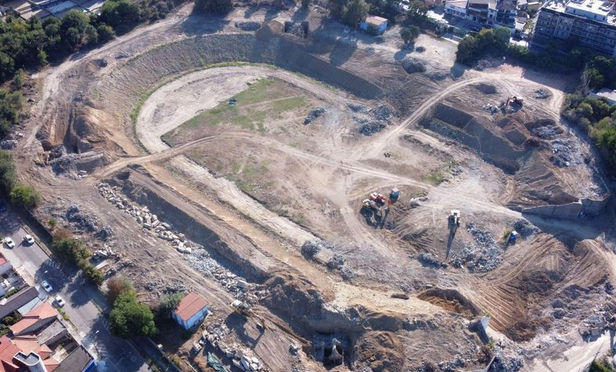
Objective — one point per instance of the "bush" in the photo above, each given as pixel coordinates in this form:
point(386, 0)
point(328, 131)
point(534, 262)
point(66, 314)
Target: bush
point(25, 196)
point(130, 317)
point(7, 172)
point(168, 304)
point(70, 250)
point(350, 12)
point(409, 34)
point(117, 286)
point(213, 6)
point(122, 15)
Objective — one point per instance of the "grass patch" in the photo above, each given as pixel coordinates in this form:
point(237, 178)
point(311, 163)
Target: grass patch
point(263, 99)
point(437, 176)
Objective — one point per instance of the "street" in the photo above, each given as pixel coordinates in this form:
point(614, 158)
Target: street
point(83, 300)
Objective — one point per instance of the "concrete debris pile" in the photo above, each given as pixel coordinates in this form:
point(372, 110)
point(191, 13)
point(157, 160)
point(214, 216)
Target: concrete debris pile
point(412, 65)
point(196, 255)
point(565, 153)
point(547, 131)
point(329, 349)
point(491, 108)
point(299, 29)
point(311, 248)
point(428, 260)
point(595, 324)
point(8, 144)
point(241, 358)
point(248, 25)
point(543, 93)
point(80, 220)
point(373, 120)
point(314, 114)
point(525, 228)
point(485, 254)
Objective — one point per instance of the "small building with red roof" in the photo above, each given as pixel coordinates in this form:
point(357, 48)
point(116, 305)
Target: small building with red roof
point(191, 311)
point(35, 319)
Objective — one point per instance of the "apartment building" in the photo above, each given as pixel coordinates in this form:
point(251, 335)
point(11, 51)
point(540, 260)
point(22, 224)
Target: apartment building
point(592, 23)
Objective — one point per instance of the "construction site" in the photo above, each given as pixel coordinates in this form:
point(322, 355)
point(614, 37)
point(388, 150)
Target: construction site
point(340, 202)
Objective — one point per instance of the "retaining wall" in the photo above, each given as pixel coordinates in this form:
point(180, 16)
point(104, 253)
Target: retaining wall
point(578, 209)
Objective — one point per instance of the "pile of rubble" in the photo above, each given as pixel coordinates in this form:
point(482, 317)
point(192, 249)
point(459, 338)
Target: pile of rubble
point(314, 114)
point(196, 255)
point(240, 358)
point(373, 120)
point(565, 153)
point(491, 108)
point(482, 256)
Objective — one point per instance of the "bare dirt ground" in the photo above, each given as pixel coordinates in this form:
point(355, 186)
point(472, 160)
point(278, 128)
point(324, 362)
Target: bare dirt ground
point(147, 121)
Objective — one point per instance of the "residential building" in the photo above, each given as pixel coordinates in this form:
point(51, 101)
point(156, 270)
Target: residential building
point(481, 11)
point(79, 360)
point(608, 95)
point(456, 8)
point(5, 265)
point(374, 24)
point(34, 358)
point(36, 319)
point(19, 299)
point(488, 13)
point(191, 311)
point(591, 23)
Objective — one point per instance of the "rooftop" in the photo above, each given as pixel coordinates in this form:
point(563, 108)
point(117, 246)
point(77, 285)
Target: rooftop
point(77, 360)
point(375, 20)
point(597, 10)
point(191, 304)
point(44, 311)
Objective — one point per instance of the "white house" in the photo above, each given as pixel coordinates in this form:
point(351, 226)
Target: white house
point(191, 311)
point(374, 24)
point(456, 8)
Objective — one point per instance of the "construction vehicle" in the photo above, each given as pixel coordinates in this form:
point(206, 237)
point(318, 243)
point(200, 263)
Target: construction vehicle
point(394, 195)
point(514, 102)
point(241, 307)
point(454, 218)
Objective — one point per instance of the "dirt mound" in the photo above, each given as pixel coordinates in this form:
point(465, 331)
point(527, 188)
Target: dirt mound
point(412, 65)
point(486, 88)
point(450, 300)
point(293, 297)
point(379, 351)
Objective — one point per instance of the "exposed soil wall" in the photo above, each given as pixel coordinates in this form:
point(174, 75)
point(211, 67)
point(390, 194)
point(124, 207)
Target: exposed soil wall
point(124, 87)
point(211, 234)
point(583, 207)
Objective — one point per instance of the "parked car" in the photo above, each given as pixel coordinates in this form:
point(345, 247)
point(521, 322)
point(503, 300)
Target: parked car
point(59, 301)
point(28, 239)
point(46, 286)
point(2, 208)
point(9, 243)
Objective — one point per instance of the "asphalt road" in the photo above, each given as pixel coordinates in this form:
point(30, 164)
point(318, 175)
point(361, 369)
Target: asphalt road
point(83, 301)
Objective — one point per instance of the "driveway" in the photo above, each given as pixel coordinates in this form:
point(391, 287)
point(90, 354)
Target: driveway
point(83, 300)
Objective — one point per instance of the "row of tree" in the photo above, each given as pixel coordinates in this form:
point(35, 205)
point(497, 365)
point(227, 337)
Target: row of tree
point(598, 119)
point(31, 44)
point(72, 251)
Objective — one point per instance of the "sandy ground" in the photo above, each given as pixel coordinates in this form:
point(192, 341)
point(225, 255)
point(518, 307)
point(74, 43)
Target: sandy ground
point(344, 169)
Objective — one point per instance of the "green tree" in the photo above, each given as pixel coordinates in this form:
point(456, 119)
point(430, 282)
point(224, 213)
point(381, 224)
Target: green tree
point(213, 6)
point(467, 50)
point(122, 15)
point(117, 286)
point(73, 28)
point(7, 172)
point(168, 304)
point(25, 196)
point(130, 317)
point(91, 35)
point(105, 32)
point(70, 250)
point(355, 12)
point(409, 34)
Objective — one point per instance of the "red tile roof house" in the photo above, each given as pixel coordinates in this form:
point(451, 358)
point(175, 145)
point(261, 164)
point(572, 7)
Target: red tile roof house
point(14, 358)
point(191, 311)
point(34, 320)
